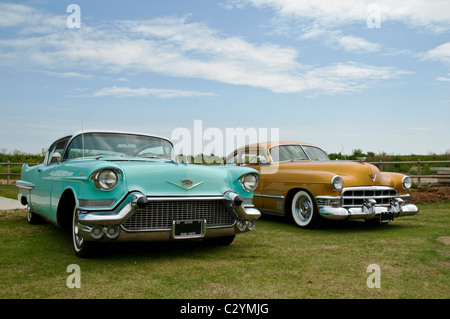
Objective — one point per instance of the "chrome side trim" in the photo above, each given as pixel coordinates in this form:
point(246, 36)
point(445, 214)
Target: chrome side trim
point(269, 196)
point(24, 185)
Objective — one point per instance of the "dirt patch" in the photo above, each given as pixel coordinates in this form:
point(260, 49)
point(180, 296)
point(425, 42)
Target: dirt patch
point(444, 240)
point(430, 194)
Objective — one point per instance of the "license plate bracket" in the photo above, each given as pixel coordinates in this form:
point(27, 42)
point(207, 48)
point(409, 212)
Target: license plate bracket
point(185, 229)
point(386, 217)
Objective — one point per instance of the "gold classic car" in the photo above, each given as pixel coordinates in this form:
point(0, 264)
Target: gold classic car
point(300, 181)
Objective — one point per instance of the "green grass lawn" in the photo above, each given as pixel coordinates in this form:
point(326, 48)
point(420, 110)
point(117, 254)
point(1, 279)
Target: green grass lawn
point(8, 191)
point(277, 260)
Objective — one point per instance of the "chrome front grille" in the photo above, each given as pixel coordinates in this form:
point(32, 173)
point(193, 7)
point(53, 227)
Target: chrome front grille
point(159, 215)
point(352, 197)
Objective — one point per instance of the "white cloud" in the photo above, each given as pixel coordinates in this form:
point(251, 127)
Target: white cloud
point(175, 47)
point(440, 54)
point(324, 19)
point(70, 75)
point(355, 44)
point(349, 77)
point(143, 92)
point(429, 14)
point(13, 14)
point(443, 79)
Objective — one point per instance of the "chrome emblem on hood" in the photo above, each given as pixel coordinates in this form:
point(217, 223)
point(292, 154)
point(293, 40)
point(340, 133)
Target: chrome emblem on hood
point(186, 182)
point(373, 177)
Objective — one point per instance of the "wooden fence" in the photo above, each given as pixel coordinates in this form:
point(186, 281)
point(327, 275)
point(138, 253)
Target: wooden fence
point(443, 173)
point(8, 170)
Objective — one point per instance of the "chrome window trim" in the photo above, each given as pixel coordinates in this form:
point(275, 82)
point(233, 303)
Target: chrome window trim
point(76, 134)
point(257, 149)
point(301, 146)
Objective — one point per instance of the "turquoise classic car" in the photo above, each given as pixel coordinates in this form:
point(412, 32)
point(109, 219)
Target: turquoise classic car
point(117, 186)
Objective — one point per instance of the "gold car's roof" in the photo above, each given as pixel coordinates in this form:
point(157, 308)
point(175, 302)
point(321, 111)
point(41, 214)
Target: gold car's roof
point(267, 145)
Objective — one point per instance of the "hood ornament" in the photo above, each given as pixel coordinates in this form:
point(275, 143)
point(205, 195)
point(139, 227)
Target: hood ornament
point(186, 184)
point(187, 181)
point(373, 177)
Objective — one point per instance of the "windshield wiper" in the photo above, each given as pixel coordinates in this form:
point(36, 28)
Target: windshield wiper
point(97, 157)
point(152, 156)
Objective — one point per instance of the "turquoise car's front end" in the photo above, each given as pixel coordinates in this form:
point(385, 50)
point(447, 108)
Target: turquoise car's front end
point(164, 201)
point(110, 186)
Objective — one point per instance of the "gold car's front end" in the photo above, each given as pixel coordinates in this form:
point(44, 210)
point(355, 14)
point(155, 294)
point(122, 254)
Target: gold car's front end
point(366, 202)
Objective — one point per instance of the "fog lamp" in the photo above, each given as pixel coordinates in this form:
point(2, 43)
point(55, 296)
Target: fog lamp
point(335, 202)
point(97, 232)
point(112, 231)
point(251, 224)
point(241, 224)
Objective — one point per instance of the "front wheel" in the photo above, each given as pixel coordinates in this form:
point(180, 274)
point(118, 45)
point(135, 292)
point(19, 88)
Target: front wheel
point(33, 218)
point(81, 247)
point(304, 210)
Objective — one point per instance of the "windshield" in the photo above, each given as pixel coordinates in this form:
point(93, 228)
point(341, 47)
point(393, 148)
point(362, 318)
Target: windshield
point(118, 144)
point(283, 153)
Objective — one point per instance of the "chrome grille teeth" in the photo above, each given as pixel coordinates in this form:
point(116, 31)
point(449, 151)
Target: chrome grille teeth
point(159, 215)
point(357, 197)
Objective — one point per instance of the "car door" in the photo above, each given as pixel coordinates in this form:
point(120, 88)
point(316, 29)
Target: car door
point(41, 193)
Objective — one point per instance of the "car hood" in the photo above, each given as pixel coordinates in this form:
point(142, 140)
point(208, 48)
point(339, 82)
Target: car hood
point(156, 178)
point(353, 173)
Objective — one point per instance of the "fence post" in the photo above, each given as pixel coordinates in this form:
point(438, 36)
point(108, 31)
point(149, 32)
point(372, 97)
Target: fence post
point(8, 171)
point(419, 170)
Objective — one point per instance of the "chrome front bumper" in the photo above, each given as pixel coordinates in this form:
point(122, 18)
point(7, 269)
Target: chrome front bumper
point(369, 211)
point(99, 225)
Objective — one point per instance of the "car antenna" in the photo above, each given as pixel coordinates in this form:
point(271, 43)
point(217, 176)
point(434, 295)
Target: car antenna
point(82, 128)
point(343, 152)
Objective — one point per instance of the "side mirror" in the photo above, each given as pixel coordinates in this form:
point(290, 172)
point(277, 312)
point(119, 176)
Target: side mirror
point(263, 160)
point(56, 157)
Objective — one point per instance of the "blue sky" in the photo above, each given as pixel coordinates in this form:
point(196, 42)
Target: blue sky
point(344, 75)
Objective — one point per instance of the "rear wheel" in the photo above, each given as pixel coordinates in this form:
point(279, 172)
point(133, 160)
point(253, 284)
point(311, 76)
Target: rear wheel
point(304, 211)
point(81, 247)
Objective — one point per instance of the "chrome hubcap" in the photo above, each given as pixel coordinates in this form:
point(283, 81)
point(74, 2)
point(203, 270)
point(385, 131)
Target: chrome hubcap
point(78, 241)
point(303, 208)
point(28, 213)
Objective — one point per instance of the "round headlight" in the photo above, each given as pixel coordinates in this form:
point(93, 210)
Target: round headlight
point(107, 179)
point(249, 182)
point(337, 183)
point(406, 182)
